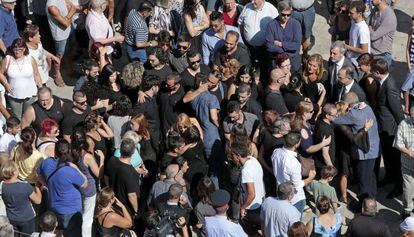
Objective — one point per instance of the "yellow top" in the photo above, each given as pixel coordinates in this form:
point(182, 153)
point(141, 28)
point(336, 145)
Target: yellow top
point(27, 164)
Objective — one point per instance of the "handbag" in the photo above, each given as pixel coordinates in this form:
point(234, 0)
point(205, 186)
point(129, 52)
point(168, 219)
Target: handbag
point(2, 206)
point(116, 46)
point(307, 165)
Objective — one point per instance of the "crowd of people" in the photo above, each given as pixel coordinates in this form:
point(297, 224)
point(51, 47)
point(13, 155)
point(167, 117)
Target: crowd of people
point(222, 123)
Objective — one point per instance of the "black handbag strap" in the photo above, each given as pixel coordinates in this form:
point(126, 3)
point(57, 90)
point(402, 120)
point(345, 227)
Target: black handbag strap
point(54, 172)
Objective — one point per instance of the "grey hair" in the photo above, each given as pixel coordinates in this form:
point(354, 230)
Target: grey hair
point(175, 191)
point(351, 98)
point(370, 206)
point(285, 190)
point(280, 125)
point(328, 108)
point(6, 229)
point(284, 5)
point(97, 3)
point(340, 45)
point(171, 171)
point(133, 136)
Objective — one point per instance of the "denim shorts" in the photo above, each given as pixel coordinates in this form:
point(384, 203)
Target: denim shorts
point(306, 19)
point(61, 47)
point(136, 54)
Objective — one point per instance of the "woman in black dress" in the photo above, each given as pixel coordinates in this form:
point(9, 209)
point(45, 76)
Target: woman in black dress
point(368, 81)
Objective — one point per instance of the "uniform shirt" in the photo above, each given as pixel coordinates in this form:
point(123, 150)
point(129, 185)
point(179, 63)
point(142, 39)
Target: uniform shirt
point(219, 226)
point(253, 22)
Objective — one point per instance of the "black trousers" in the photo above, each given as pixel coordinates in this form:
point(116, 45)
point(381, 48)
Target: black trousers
point(392, 159)
point(366, 179)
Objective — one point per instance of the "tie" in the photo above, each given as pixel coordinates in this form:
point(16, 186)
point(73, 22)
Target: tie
point(333, 81)
point(343, 91)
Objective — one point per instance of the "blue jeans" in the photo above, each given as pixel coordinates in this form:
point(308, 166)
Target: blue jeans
point(136, 54)
point(306, 19)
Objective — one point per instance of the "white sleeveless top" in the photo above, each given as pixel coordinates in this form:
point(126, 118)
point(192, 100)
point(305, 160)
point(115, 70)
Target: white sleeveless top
point(20, 76)
point(39, 55)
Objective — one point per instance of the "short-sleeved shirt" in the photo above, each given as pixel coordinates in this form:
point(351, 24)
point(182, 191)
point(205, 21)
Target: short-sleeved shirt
point(136, 28)
point(250, 123)
point(64, 193)
point(323, 129)
point(359, 34)
point(202, 105)
point(318, 188)
point(275, 101)
point(136, 159)
point(277, 216)
point(252, 172)
point(254, 22)
point(123, 179)
point(8, 27)
point(73, 119)
point(58, 32)
point(27, 164)
point(16, 198)
point(8, 142)
point(219, 226)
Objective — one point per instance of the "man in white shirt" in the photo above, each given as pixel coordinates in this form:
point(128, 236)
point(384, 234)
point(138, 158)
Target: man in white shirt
point(287, 168)
point(359, 35)
point(253, 21)
point(253, 191)
point(10, 139)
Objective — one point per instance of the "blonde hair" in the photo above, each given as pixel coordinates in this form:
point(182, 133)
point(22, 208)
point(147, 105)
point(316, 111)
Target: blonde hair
point(319, 60)
point(183, 119)
point(9, 169)
point(132, 74)
point(133, 136)
point(342, 107)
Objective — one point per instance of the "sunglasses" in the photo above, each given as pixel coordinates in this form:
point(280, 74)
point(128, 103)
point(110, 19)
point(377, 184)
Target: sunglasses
point(282, 14)
point(195, 62)
point(81, 103)
point(182, 47)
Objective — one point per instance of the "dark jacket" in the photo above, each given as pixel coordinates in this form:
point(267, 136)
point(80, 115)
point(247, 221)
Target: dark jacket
point(329, 86)
point(388, 108)
point(356, 88)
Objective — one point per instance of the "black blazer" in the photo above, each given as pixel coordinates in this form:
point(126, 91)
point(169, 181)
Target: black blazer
point(388, 108)
point(328, 86)
point(356, 88)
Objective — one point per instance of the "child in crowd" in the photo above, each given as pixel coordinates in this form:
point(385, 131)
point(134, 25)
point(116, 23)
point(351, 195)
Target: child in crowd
point(322, 187)
point(10, 139)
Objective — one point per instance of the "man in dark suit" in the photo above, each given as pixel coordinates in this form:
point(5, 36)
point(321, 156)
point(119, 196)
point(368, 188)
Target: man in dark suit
point(389, 113)
point(347, 84)
point(337, 60)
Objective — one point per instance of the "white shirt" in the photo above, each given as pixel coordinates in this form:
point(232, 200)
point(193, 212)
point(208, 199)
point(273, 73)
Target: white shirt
point(252, 172)
point(346, 88)
point(98, 27)
point(359, 34)
point(383, 79)
point(8, 142)
point(254, 22)
point(286, 167)
point(39, 55)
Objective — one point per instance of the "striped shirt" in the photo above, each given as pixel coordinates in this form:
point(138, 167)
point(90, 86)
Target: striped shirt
point(136, 28)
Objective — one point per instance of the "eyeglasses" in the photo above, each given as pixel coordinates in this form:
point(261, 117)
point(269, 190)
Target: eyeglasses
point(81, 103)
point(182, 47)
point(285, 15)
point(195, 62)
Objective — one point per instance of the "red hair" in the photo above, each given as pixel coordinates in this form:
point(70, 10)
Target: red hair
point(47, 124)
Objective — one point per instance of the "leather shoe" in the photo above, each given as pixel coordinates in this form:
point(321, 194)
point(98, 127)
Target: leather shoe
point(394, 193)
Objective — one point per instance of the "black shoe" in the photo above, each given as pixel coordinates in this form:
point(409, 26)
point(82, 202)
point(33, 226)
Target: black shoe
point(394, 193)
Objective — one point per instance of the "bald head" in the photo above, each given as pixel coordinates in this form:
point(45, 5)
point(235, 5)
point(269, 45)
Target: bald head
point(171, 171)
point(277, 75)
point(369, 207)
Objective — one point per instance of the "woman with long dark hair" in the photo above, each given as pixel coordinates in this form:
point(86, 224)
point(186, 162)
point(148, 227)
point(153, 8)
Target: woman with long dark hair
point(88, 166)
point(195, 22)
point(204, 206)
point(120, 118)
point(64, 181)
point(245, 75)
point(111, 82)
point(26, 155)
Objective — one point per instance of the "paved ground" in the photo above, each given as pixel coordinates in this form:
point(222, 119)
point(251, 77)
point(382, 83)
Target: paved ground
point(388, 209)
